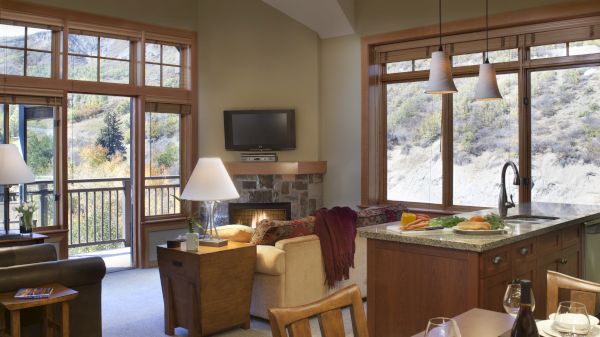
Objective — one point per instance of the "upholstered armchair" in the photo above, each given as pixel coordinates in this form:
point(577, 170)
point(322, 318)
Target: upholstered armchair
point(36, 265)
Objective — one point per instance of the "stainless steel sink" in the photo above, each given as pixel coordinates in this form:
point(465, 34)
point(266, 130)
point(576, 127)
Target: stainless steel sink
point(529, 219)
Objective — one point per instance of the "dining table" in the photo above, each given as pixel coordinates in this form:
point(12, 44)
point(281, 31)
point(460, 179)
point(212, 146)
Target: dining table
point(481, 323)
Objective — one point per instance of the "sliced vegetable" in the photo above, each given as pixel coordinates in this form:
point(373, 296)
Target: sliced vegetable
point(495, 220)
point(447, 221)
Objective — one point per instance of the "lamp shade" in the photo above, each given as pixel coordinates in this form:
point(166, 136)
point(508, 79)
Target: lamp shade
point(440, 75)
point(209, 182)
point(13, 169)
point(487, 85)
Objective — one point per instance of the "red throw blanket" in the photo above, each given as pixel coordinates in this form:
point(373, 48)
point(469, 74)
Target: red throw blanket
point(336, 229)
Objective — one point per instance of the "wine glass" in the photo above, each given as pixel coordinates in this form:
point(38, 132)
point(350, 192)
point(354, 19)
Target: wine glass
point(442, 327)
point(571, 319)
point(512, 299)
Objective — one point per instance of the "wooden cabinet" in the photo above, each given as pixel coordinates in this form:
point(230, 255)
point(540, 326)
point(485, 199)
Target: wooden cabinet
point(408, 284)
point(208, 290)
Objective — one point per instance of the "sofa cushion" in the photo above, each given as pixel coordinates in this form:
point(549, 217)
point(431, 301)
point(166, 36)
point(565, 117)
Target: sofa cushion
point(239, 233)
point(270, 231)
point(270, 260)
point(376, 215)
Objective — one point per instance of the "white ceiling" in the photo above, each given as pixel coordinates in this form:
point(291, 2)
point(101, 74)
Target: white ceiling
point(329, 18)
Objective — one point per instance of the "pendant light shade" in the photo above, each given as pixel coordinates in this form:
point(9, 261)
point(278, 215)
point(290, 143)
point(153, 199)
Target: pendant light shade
point(440, 75)
point(487, 85)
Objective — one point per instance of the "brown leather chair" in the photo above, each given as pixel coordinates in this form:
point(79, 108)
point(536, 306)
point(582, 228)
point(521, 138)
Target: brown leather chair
point(36, 265)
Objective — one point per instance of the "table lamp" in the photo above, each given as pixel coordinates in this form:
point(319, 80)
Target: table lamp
point(13, 171)
point(210, 183)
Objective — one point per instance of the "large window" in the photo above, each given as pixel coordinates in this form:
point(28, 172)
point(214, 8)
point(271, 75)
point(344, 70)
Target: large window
point(565, 137)
point(25, 51)
point(99, 59)
point(447, 151)
point(413, 154)
point(486, 134)
point(162, 163)
point(32, 129)
point(163, 65)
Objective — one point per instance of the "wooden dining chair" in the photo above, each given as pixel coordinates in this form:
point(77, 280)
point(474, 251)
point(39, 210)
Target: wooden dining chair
point(581, 291)
point(329, 313)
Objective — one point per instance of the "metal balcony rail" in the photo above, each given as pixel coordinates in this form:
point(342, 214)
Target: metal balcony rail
point(100, 209)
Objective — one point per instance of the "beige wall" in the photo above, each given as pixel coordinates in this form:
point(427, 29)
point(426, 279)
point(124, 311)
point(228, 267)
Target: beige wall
point(253, 56)
point(340, 79)
point(174, 13)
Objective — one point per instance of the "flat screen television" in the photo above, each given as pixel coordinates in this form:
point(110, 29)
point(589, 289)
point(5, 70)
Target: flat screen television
point(260, 130)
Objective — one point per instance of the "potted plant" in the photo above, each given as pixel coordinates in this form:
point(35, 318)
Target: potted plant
point(191, 237)
point(25, 212)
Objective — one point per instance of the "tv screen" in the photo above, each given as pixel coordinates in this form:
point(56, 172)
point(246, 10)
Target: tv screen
point(257, 130)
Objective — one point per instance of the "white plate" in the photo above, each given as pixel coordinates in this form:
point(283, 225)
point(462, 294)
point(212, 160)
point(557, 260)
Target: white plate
point(396, 228)
point(593, 319)
point(545, 328)
point(480, 231)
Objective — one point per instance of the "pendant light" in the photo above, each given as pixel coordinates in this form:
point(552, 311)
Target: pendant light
point(487, 85)
point(440, 73)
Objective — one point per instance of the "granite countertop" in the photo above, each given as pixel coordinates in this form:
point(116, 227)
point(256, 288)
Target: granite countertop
point(568, 214)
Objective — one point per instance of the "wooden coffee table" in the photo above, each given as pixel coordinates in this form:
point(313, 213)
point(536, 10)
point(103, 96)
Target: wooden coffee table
point(60, 294)
point(208, 290)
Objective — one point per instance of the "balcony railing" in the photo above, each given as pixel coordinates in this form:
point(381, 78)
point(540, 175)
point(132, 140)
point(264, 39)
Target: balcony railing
point(100, 209)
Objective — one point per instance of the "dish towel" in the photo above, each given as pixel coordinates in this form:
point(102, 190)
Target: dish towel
point(336, 229)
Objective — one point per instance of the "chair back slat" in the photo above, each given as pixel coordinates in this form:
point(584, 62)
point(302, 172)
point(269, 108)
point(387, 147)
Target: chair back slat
point(585, 297)
point(328, 311)
point(300, 328)
point(580, 291)
point(332, 324)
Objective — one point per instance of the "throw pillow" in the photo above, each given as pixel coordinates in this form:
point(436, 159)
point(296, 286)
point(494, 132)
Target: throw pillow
point(239, 233)
point(268, 232)
point(377, 215)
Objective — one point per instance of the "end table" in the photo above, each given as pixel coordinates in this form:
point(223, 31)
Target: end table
point(60, 294)
point(207, 290)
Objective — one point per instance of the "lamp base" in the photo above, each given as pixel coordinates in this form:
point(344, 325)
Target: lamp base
point(212, 242)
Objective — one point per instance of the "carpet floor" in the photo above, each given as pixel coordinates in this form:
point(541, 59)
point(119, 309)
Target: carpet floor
point(132, 306)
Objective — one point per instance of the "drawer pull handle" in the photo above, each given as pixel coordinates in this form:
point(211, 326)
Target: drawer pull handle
point(497, 260)
point(524, 251)
point(177, 263)
point(564, 261)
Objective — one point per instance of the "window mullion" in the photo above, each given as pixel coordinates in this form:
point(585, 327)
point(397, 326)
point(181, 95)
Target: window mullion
point(447, 150)
point(524, 125)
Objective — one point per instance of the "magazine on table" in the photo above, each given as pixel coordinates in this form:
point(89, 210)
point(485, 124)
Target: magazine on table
point(29, 293)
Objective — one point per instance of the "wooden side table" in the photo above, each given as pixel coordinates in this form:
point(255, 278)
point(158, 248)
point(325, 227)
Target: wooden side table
point(23, 240)
point(60, 294)
point(208, 290)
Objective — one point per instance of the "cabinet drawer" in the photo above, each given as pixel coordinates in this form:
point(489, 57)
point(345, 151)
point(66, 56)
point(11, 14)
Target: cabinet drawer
point(549, 243)
point(495, 261)
point(523, 251)
point(571, 236)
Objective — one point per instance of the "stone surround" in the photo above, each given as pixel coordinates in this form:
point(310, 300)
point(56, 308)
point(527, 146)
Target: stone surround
point(303, 191)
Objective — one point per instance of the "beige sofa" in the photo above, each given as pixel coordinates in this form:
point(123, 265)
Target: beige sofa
point(291, 273)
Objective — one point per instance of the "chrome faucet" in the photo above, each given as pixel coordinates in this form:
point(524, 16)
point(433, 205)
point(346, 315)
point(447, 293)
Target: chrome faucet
point(503, 203)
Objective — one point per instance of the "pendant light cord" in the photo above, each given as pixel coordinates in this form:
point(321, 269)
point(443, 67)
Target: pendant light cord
point(487, 32)
point(440, 22)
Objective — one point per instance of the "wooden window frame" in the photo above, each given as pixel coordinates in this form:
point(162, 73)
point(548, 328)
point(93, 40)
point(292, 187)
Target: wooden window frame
point(25, 49)
point(522, 25)
point(64, 21)
point(161, 64)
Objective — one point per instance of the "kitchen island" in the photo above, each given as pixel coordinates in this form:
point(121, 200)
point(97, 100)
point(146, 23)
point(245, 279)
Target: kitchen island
point(417, 276)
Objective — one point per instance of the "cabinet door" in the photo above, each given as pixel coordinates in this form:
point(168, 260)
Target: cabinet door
point(548, 262)
point(569, 262)
point(493, 289)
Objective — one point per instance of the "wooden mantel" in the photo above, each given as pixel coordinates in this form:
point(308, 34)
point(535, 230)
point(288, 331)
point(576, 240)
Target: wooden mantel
point(281, 167)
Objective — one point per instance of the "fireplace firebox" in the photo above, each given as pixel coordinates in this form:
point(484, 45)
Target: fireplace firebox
point(250, 214)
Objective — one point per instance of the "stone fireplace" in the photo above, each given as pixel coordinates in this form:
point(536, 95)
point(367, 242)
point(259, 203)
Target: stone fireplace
point(303, 192)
